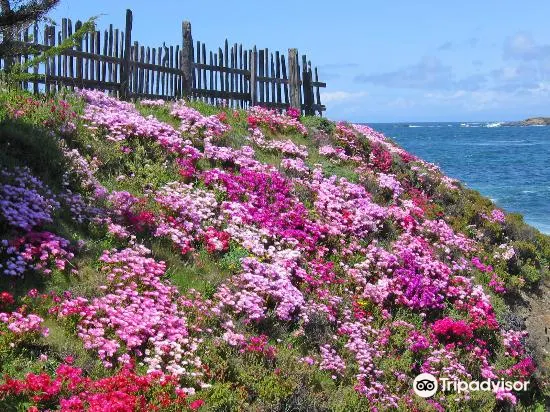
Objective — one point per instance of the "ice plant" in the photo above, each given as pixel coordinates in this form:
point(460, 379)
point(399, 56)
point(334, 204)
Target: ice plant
point(367, 279)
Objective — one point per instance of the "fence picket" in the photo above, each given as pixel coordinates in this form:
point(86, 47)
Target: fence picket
point(35, 68)
point(261, 74)
point(232, 75)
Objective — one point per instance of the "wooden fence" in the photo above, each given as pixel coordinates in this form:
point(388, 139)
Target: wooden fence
point(113, 62)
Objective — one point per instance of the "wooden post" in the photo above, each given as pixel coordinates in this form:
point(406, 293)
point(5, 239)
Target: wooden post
point(79, 70)
point(35, 68)
point(187, 64)
point(253, 75)
point(317, 93)
point(125, 67)
point(307, 88)
point(294, 79)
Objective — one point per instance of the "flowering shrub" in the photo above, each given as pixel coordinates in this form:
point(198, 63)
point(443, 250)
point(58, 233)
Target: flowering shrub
point(496, 216)
point(391, 183)
point(334, 152)
point(293, 112)
point(20, 324)
point(152, 103)
point(129, 322)
point(121, 121)
point(40, 251)
point(195, 124)
point(25, 202)
point(124, 391)
point(286, 147)
point(54, 114)
point(363, 271)
point(450, 330)
point(274, 121)
point(381, 159)
point(216, 241)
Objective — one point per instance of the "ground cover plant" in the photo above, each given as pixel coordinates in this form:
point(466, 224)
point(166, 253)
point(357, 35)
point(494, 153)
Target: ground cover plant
point(180, 256)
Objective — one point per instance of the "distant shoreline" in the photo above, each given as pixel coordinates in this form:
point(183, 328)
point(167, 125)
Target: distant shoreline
point(532, 121)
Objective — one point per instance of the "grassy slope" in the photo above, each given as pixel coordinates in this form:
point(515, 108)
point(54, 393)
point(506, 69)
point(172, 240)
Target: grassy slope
point(24, 142)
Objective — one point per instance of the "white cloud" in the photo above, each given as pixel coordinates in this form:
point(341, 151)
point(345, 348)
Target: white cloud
point(341, 96)
point(522, 46)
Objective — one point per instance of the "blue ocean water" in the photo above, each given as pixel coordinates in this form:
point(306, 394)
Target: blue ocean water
point(509, 164)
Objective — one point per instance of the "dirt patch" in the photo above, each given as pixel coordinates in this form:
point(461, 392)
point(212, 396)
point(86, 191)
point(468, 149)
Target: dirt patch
point(534, 311)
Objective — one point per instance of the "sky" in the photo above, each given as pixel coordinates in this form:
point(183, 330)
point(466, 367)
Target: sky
point(383, 61)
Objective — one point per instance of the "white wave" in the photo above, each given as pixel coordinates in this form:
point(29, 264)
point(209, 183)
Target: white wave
point(495, 124)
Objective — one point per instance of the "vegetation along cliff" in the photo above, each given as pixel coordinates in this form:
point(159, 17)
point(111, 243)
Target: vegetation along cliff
point(180, 256)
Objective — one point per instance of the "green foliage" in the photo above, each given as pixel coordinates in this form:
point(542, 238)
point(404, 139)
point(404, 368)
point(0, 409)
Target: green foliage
point(318, 123)
point(204, 108)
point(231, 261)
point(18, 72)
point(223, 397)
point(516, 229)
point(24, 144)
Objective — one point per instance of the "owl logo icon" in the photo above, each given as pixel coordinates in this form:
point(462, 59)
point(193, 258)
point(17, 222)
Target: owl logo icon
point(425, 385)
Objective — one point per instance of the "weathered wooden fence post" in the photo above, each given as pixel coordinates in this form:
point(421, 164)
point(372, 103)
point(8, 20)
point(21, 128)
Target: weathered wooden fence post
point(187, 63)
point(79, 61)
point(294, 79)
point(307, 87)
point(35, 68)
point(125, 67)
point(253, 75)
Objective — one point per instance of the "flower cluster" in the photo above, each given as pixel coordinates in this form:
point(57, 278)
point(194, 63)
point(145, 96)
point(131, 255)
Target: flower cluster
point(216, 240)
point(121, 121)
point(138, 317)
point(25, 202)
point(295, 165)
point(195, 124)
point(275, 121)
point(152, 103)
point(331, 361)
point(258, 284)
point(126, 391)
point(286, 147)
point(258, 345)
point(496, 216)
point(514, 342)
point(6, 299)
point(40, 251)
point(389, 181)
point(21, 324)
point(333, 152)
point(450, 330)
point(54, 114)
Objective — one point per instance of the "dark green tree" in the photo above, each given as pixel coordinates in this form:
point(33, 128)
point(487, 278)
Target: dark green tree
point(15, 15)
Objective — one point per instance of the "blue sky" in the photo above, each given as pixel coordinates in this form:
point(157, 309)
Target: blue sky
point(383, 61)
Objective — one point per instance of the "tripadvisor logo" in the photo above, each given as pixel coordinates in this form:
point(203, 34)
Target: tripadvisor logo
point(426, 385)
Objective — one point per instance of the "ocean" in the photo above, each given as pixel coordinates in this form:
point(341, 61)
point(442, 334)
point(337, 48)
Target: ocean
point(509, 164)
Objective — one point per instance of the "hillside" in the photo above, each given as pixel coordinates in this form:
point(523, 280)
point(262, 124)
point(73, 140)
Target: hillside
point(536, 121)
point(180, 256)
point(532, 121)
